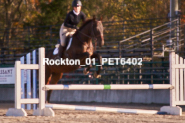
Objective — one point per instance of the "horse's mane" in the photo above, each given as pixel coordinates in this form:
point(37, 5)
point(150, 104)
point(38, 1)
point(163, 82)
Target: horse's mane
point(83, 25)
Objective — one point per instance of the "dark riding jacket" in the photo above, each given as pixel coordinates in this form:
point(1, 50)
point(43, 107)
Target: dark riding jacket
point(72, 19)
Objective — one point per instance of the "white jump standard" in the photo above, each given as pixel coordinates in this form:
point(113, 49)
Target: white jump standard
point(41, 111)
point(45, 109)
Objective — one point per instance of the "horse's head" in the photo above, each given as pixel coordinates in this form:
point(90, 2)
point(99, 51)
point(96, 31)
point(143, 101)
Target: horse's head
point(97, 31)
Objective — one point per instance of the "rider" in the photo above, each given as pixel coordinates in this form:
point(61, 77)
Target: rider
point(69, 26)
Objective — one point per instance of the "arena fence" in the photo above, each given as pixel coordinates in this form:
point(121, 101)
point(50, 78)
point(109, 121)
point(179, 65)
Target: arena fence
point(176, 86)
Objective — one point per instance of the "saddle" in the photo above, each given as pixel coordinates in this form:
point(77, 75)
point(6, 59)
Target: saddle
point(57, 46)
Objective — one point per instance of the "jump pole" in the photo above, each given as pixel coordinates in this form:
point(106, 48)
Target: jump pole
point(102, 109)
point(45, 109)
point(108, 87)
point(172, 109)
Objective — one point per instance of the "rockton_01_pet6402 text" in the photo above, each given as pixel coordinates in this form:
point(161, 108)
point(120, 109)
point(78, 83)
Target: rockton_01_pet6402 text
point(89, 61)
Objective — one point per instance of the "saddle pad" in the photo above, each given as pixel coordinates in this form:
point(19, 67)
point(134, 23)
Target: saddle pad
point(69, 44)
point(55, 51)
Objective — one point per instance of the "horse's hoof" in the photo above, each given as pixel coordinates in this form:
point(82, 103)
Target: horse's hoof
point(85, 71)
point(97, 75)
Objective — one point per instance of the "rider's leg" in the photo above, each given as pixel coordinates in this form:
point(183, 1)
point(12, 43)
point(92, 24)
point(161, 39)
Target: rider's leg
point(61, 51)
point(62, 34)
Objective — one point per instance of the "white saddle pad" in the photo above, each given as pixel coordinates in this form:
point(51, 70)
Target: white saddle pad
point(69, 44)
point(57, 46)
point(55, 51)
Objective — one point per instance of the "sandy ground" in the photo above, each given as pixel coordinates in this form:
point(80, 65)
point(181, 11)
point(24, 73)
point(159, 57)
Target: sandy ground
point(69, 116)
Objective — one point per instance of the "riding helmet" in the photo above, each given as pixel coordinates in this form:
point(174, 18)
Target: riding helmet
point(76, 3)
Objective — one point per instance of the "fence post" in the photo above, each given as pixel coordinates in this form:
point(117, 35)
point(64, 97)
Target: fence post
point(119, 66)
point(34, 78)
point(42, 111)
point(41, 79)
point(17, 111)
point(151, 40)
point(184, 39)
point(18, 85)
point(172, 78)
point(22, 82)
point(163, 71)
point(178, 33)
point(28, 81)
point(152, 51)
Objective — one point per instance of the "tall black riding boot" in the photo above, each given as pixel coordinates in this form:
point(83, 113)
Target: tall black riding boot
point(60, 52)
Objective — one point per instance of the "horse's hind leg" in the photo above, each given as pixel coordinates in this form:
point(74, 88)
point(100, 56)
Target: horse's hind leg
point(47, 76)
point(54, 80)
point(98, 56)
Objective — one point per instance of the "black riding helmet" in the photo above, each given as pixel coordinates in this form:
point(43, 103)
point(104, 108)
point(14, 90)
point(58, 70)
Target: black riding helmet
point(76, 3)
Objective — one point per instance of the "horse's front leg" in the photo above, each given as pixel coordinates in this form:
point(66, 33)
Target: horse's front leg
point(86, 70)
point(81, 56)
point(98, 56)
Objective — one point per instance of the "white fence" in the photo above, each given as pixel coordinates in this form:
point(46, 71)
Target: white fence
point(26, 79)
point(176, 87)
point(177, 79)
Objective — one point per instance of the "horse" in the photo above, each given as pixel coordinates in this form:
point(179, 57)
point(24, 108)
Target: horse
point(81, 47)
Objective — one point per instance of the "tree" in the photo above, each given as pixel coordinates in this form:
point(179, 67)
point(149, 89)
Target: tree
point(13, 14)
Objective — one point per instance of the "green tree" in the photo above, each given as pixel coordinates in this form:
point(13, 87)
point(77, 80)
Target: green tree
point(13, 14)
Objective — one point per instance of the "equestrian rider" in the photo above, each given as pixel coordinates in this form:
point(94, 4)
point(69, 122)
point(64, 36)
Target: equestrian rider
point(69, 26)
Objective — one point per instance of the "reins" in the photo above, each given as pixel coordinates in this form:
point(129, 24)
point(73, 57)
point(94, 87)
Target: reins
point(92, 33)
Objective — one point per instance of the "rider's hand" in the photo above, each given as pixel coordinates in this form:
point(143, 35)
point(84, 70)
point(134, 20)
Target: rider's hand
point(76, 27)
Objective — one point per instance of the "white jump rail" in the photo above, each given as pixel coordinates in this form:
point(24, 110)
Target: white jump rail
point(106, 87)
point(45, 110)
point(102, 109)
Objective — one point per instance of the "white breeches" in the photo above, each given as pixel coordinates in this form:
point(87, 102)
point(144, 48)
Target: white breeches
point(64, 32)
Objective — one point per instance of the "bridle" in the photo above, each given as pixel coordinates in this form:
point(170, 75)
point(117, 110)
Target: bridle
point(93, 36)
point(92, 33)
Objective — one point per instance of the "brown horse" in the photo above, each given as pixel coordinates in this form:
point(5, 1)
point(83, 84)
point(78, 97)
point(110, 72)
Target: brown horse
point(80, 48)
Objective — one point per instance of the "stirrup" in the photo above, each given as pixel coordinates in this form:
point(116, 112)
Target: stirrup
point(57, 57)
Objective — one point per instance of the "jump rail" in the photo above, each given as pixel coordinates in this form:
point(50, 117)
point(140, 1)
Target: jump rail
point(45, 110)
point(107, 87)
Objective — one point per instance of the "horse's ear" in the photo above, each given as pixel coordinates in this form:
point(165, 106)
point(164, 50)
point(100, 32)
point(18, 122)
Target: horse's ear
point(94, 17)
point(101, 18)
